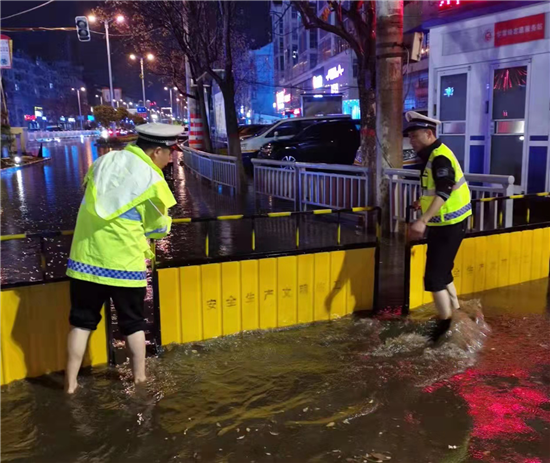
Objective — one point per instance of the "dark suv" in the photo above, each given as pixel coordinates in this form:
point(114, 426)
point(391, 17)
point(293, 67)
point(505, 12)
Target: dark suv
point(331, 142)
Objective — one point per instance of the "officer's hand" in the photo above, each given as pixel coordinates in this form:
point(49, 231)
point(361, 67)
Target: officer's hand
point(417, 230)
point(416, 205)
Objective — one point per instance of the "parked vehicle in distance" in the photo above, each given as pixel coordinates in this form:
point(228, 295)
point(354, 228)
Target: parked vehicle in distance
point(247, 131)
point(410, 158)
point(283, 130)
point(330, 141)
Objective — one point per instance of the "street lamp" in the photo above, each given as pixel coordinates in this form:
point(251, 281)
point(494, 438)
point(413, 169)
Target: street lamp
point(78, 90)
point(171, 104)
point(119, 19)
point(150, 57)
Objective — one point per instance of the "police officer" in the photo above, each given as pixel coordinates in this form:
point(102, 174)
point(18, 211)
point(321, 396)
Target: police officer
point(445, 204)
point(126, 202)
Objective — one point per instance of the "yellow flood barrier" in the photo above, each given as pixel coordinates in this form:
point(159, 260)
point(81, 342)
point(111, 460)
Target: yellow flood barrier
point(487, 261)
point(205, 301)
point(34, 327)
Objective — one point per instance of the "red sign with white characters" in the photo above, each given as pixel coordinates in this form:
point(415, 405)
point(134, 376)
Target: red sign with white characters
point(520, 30)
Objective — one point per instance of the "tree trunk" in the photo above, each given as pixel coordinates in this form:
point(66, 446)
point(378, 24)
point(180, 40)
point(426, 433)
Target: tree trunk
point(201, 101)
point(368, 138)
point(389, 95)
point(232, 127)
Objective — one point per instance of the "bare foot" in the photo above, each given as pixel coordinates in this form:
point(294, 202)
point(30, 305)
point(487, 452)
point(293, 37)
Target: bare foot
point(70, 389)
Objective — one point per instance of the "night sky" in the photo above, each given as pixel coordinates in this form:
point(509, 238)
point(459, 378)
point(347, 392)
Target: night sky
point(92, 55)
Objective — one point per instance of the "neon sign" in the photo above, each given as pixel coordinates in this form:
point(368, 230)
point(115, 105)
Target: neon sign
point(282, 98)
point(317, 81)
point(448, 3)
point(334, 73)
point(449, 91)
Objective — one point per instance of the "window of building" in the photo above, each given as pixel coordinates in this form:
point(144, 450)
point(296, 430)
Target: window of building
point(294, 12)
point(280, 26)
point(281, 44)
point(325, 49)
point(302, 42)
point(16, 87)
point(281, 63)
point(341, 45)
point(51, 85)
point(295, 34)
point(313, 38)
point(355, 68)
point(312, 60)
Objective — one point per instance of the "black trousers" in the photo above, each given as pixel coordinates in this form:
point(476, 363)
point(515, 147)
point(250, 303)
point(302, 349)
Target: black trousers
point(443, 244)
point(88, 298)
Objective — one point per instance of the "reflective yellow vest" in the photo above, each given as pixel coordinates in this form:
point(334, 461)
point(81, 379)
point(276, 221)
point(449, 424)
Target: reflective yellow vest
point(126, 202)
point(458, 206)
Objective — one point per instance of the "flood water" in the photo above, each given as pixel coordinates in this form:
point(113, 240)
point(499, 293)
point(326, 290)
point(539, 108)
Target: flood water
point(353, 390)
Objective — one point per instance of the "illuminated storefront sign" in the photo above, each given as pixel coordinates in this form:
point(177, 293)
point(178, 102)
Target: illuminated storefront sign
point(334, 88)
point(30, 117)
point(282, 98)
point(520, 30)
point(38, 111)
point(317, 81)
point(334, 73)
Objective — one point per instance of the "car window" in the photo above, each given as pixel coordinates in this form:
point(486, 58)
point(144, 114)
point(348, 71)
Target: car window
point(264, 129)
point(313, 131)
point(285, 129)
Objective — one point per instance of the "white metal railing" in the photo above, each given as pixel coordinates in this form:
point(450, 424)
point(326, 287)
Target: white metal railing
point(322, 185)
point(45, 135)
point(218, 169)
point(405, 189)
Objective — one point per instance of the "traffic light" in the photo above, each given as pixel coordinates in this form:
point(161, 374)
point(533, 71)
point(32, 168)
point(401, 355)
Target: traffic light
point(82, 28)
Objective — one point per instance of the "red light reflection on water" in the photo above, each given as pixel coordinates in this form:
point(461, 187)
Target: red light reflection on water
point(506, 393)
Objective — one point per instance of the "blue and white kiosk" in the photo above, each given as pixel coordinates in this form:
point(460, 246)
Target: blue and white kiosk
point(489, 83)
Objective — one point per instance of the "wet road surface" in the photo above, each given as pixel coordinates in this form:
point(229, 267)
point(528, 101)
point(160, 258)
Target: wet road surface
point(46, 197)
point(353, 390)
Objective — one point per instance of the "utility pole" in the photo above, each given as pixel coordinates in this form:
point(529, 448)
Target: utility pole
point(389, 80)
point(389, 94)
point(111, 93)
point(78, 90)
point(119, 19)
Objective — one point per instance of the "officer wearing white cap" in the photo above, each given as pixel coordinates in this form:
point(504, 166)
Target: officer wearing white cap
point(126, 202)
point(445, 204)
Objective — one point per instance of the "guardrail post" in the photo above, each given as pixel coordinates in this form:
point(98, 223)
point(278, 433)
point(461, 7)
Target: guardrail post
point(297, 189)
point(509, 206)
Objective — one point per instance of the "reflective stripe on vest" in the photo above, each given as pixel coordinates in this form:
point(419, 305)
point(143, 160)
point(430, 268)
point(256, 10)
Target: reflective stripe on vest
point(452, 215)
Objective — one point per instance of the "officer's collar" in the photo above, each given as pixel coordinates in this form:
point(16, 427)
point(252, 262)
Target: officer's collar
point(424, 153)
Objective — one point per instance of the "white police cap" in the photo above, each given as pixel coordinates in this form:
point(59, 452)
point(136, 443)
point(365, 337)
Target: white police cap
point(163, 134)
point(418, 121)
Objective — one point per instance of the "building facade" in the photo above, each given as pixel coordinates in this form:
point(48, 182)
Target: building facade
point(309, 61)
point(39, 93)
point(489, 85)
